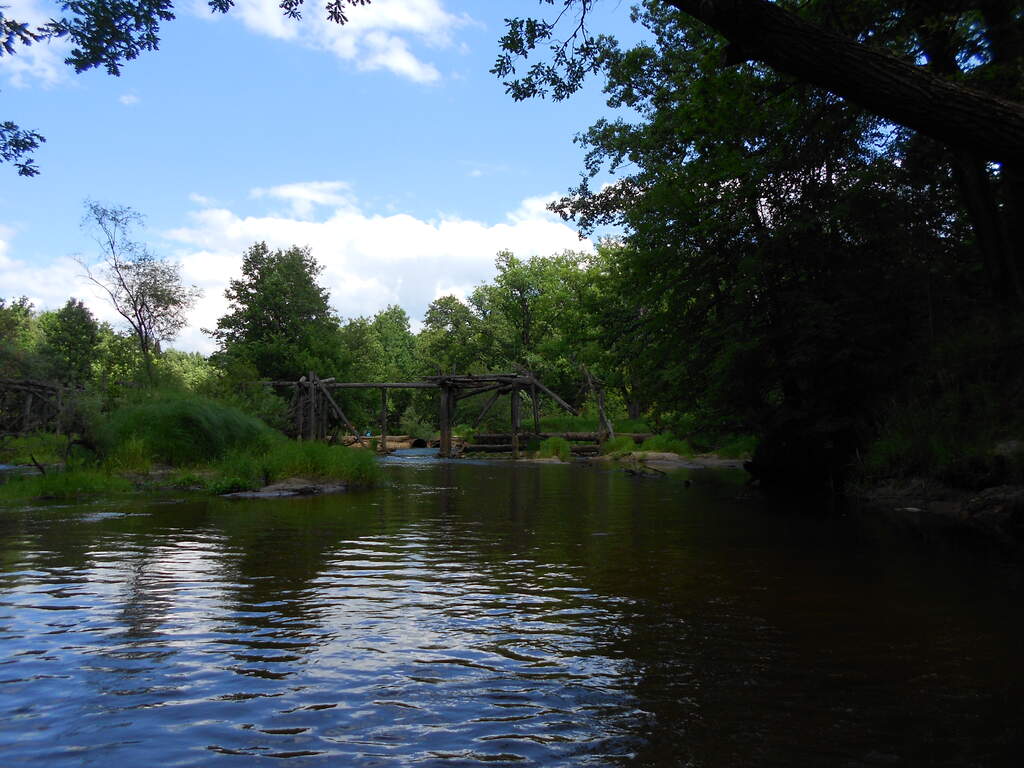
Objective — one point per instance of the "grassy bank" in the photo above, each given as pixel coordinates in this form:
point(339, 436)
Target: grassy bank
point(67, 484)
point(184, 442)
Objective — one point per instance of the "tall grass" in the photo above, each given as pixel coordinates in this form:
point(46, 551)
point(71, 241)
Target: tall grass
point(178, 430)
point(555, 446)
point(667, 444)
point(244, 470)
point(619, 444)
point(44, 447)
point(62, 485)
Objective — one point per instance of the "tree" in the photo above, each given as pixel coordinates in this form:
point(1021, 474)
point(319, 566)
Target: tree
point(779, 271)
point(950, 70)
point(105, 34)
point(279, 320)
point(144, 289)
point(771, 33)
point(72, 334)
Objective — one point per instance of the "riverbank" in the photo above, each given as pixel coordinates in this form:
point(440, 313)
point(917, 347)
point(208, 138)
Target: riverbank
point(993, 515)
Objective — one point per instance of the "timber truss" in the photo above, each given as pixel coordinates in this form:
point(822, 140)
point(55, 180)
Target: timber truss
point(317, 413)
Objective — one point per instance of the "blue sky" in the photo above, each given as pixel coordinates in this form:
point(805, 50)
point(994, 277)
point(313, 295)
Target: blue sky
point(384, 145)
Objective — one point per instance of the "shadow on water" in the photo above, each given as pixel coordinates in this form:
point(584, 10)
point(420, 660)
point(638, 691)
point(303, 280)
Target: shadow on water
point(491, 612)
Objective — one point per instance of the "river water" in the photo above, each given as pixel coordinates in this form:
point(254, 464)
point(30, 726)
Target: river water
point(490, 613)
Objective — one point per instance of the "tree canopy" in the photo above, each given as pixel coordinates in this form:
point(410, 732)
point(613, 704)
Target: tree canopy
point(279, 317)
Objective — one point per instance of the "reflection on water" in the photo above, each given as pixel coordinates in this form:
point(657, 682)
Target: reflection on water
point(500, 614)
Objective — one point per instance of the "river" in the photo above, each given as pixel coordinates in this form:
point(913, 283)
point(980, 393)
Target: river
point(493, 613)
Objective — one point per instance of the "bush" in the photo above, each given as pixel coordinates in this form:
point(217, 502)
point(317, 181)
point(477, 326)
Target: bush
point(555, 446)
point(179, 431)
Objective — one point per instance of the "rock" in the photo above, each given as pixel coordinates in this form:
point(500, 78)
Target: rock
point(292, 486)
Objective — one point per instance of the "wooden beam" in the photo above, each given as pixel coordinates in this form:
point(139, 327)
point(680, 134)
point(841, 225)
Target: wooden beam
point(487, 406)
point(445, 448)
point(343, 417)
point(555, 397)
point(383, 420)
point(536, 408)
point(514, 408)
point(478, 391)
point(382, 385)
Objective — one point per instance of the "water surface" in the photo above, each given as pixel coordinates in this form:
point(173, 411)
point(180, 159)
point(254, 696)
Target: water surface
point(496, 614)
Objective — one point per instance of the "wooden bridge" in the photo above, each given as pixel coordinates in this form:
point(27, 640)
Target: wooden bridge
point(317, 413)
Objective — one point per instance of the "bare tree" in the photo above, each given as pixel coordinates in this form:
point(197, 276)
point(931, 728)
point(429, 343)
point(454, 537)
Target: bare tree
point(144, 289)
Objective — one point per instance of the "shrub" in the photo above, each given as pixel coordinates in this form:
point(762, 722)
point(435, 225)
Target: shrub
point(555, 446)
point(180, 431)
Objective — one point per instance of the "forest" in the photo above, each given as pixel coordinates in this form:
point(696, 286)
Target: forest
point(829, 273)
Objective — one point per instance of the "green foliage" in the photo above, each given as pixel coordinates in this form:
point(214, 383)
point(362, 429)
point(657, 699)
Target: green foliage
point(62, 485)
point(737, 447)
point(414, 426)
point(279, 319)
point(188, 371)
point(246, 470)
point(144, 289)
point(179, 430)
point(957, 419)
point(466, 431)
point(72, 334)
point(45, 447)
point(555, 446)
point(619, 445)
point(667, 443)
point(132, 455)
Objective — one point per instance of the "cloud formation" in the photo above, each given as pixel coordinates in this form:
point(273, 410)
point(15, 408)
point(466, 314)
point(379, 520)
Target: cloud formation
point(377, 37)
point(370, 260)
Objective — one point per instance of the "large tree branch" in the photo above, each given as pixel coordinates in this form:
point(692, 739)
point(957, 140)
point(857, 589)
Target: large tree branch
point(896, 90)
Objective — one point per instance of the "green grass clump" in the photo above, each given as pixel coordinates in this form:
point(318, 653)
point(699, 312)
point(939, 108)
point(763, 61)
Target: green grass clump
point(555, 446)
point(667, 444)
point(62, 485)
point(619, 445)
point(243, 471)
point(46, 448)
point(178, 430)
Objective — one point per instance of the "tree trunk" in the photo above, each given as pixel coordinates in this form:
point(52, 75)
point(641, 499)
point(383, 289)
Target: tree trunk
point(896, 90)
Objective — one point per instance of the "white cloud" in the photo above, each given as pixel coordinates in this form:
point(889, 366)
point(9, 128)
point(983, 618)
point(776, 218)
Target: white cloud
point(129, 99)
point(305, 196)
point(41, 63)
point(48, 285)
point(376, 37)
point(369, 260)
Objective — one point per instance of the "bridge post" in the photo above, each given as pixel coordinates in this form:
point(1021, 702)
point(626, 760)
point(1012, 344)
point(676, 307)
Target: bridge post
point(446, 424)
point(383, 420)
point(515, 422)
